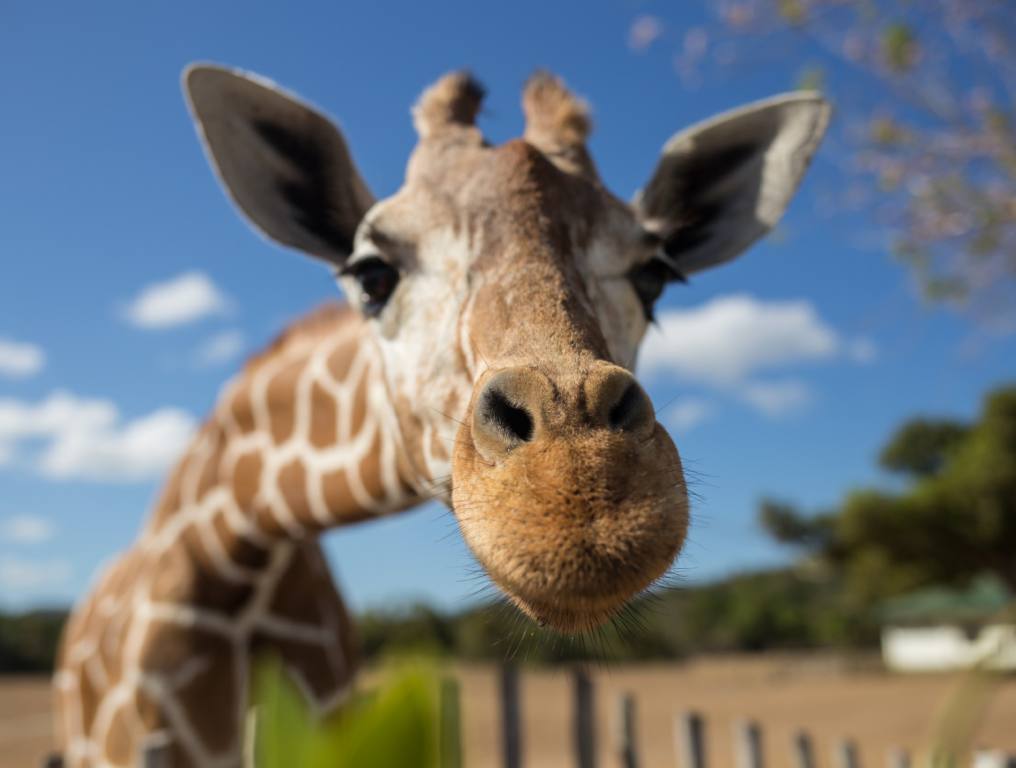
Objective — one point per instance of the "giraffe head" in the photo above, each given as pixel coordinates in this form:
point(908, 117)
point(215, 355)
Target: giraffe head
point(508, 291)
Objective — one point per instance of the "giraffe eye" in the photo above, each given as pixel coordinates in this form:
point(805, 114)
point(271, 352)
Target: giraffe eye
point(377, 280)
point(649, 280)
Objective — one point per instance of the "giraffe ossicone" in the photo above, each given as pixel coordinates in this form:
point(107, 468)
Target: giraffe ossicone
point(496, 306)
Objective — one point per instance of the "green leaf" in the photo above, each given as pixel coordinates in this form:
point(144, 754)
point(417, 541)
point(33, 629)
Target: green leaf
point(792, 11)
point(811, 78)
point(899, 47)
point(392, 727)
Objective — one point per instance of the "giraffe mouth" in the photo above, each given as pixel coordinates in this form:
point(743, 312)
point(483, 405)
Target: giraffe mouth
point(573, 607)
point(566, 617)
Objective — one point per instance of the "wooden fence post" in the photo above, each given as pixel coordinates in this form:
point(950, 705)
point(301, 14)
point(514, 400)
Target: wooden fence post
point(510, 730)
point(898, 758)
point(804, 751)
point(846, 755)
point(748, 744)
point(690, 742)
point(627, 747)
point(451, 731)
point(584, 728)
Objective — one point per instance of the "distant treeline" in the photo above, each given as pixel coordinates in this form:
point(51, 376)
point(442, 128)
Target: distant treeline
point(781, 609)
point(28, 640)
point(770, 610)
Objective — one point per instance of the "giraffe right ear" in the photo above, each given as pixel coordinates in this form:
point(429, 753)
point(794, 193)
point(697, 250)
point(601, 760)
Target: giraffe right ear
point(284, 164)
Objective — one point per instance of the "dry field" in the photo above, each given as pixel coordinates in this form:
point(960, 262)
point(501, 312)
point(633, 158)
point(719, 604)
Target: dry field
point(24, 721)
point(879, 711)
point(783, 694)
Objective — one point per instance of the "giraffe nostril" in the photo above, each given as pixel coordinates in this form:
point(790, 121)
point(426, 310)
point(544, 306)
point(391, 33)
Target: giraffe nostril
point(632, 410)
point(509, 411)
point(622, 410)
point(513, 422)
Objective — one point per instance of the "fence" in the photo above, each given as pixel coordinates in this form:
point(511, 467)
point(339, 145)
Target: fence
point(690, 738)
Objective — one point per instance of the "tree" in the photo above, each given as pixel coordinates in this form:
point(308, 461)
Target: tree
point(956, 520)
point(925, 106)
point(922, 447)
point(788, 526)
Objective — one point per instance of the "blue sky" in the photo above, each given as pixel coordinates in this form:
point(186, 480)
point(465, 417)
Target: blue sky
point(106, 195)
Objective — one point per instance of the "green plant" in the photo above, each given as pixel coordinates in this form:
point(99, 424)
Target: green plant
point(393, 726)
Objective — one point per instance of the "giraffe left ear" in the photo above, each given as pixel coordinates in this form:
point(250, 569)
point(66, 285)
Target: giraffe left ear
point(722, 184)
point(284, 164)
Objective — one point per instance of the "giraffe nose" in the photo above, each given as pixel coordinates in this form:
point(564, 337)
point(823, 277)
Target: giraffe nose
point(521, 405)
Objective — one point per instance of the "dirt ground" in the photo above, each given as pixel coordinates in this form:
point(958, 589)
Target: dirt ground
point(830, 699)
point(832, 702)
point(25, 726)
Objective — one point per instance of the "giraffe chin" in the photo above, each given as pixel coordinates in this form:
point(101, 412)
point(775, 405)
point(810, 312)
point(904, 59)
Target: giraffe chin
point(573, 529)
point(566, 614)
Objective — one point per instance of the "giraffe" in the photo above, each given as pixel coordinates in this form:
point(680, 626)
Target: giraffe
point(495, 307)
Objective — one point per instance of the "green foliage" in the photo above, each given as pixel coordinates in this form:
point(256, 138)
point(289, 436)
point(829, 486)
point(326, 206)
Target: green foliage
point(392, 727)
point(886, 132)
point(922, 447)
point(796, 608)
point(420, 629)
point(792, 11)
point(769, 610)
point(812, 78)
point(899, 47)
point(954, 522)
point(788, 526)
point(28, 641)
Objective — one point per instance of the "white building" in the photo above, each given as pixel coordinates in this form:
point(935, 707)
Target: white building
point(937, 629)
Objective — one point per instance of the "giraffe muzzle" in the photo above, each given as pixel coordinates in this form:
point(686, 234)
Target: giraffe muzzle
point(568, 491)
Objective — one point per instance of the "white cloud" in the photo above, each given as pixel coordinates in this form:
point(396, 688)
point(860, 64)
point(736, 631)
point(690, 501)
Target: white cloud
point(727, 342)
point(220, 348)
point(19, 360)
point(777, 398)
point(687, 413)
point(86, 439)
point(178, 301)
point(17, 574)
point(643, 32)
point(26, 529)
point(732, 337)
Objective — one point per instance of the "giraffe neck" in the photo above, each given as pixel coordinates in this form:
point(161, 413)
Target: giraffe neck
point(305, 439)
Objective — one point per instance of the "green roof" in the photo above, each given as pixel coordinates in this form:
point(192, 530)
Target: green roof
point(983, 599)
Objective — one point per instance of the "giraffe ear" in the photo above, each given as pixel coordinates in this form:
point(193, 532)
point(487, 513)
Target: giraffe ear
point(722, 184)
point(284, 164)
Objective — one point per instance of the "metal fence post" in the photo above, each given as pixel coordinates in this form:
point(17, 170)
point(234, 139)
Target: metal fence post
point(510, 731)
point(627, 745)
point(846, 755)
point(689, 740)
point(584, 725)
point(804, 752)
point(748, 745)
